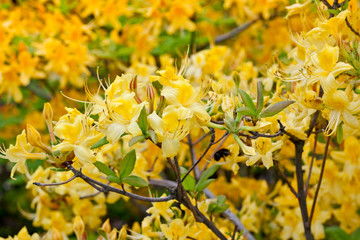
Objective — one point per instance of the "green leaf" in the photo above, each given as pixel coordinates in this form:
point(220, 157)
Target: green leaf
point(274, 109)
point(208, 173)
point(357, 91)
point(260, 98)
point(102, 233)
point(136, 139)
point(334, 11)
point(339, 134)
point(344, 7)
point(221, 208)
point(189, 182)
point(247, 101)
point(59, 169)
point(104, 169)
point(135, 181)
point(336, 233)
point(114, 179)
point(127, 164)
point(202, 185)
point(221, 199)
point(143, 120)
point(246, 111)
point(230, 124)
point(100, 143)
point(153, 136)
point(355, 235)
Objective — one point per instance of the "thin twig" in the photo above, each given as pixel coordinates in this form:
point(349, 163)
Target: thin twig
point(327, 4)
point(351, 27)
point(234, 32)
point(102, 187)
point(311, 166)
point(193, 156)
point(201, 138)
point(90, 195)
point(55, 184)
point(203, 155)
point(283, 176)
point(233, 218)
point(233, 236)
point(320, 180)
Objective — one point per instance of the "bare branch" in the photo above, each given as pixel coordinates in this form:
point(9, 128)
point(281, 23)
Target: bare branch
point(55, 184)
point(235, 31)
point(283, 176)
point(203, 155)
point(311, 166)
point(102, 187)
point(351, 27)
point(233, 218)
point(320, 180)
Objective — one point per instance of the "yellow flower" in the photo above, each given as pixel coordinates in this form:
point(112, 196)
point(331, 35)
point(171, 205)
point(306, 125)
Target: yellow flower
point(174, 125)
point(78, 134)
point(264, 150)
point(327, 67)
point(340, 109)
point(176, 230)
point(19, 153)
point(161, 209)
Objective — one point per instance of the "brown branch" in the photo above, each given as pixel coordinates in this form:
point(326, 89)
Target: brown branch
point(327, 4)
point(311, 166)
point(299, 148)
point(234, 32)
point(320, 180)
point(193, 156)
point(233, 218)
point(55, 184)
point(351, 27)
point(102, 187)
point(283, 176)
point(203, 155)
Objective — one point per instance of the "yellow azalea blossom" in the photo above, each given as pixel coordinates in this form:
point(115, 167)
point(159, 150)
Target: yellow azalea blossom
point(174, 125)
point(78, 134)
point(327, 67)
point(349, 157)
point(120, 109)
point(19, 153)
point(264, 151)
point(161, 209)
point(179, 16)
point(340, 109)
point(176, 230)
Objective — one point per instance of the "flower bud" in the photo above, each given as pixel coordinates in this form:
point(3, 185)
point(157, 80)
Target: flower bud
point(34, 138)
point(56, 234)
point(47, 112)
point(106, 226)
point(78, 227)
point(48, 116)
point(150, 91)
point(236, 78)
point(133, 84)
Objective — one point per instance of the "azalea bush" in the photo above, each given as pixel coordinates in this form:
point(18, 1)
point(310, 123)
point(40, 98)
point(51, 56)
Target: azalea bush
point(181, 119)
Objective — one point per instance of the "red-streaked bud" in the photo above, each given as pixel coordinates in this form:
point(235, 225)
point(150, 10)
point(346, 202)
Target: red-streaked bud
point(79, 227)
point(47, 112)
point(34, 138)
point(106, 226)
point(133, 84)
point(48, 116)
point(236, 78)
point(56, 234)
point(150, 92)
point(161, 104)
